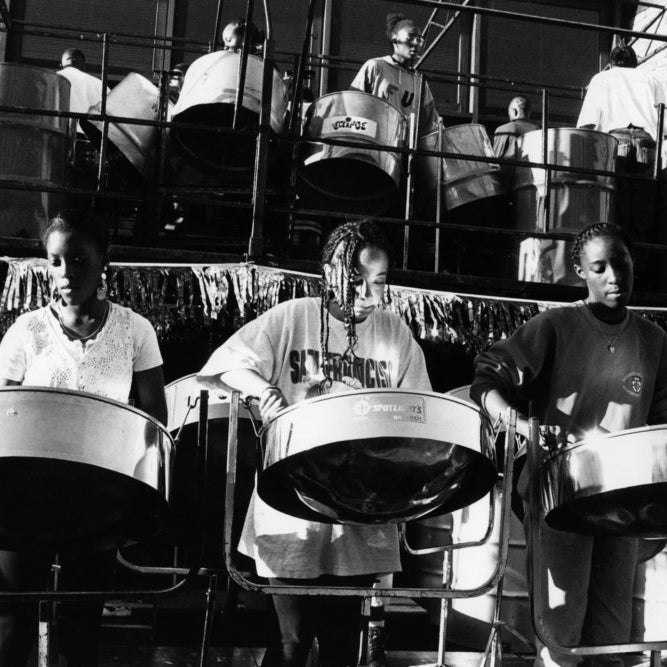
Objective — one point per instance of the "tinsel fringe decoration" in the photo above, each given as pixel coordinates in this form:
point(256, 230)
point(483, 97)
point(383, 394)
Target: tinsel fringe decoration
point(180, 300)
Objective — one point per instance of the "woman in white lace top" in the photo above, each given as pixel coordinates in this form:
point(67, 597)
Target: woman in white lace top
point(80, 341)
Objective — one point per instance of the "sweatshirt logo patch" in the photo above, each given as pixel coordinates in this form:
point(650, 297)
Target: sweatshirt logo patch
point(632, 383)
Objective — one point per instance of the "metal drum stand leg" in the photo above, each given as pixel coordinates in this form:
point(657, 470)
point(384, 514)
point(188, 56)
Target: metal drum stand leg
point(442, 594)
point(196, 570)
point(537, 597)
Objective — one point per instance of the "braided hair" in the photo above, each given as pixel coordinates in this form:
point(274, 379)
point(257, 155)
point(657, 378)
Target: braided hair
point(595, 231)
point(341, 253)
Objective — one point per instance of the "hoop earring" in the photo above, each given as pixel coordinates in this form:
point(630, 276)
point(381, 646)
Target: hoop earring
point(102, 287)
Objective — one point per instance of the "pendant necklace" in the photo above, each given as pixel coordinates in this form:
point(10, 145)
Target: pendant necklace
point(611, 343)
point(73, 335)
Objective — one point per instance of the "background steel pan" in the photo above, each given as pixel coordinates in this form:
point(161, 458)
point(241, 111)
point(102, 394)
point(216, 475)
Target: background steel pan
point(577, 199)
point(467, 180)
point(376, 457)
point(613, 484)
point(78, 471)
point(33, 148)
point(189, 526)
point(208, 97)
point(133, 97)
point(355, 179)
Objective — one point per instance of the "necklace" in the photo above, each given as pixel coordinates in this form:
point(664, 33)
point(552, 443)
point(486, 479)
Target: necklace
point(610, 342)
point(70, 333)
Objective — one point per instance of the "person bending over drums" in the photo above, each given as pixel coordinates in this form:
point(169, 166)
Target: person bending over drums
point(392, 77)
point(303, 348)
point(80, 341)
point(589, 366)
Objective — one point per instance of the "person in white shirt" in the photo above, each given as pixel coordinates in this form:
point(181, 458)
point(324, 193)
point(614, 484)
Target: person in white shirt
point(621, 101)
point(85, 89)
point(303, 348)
point(80, 341)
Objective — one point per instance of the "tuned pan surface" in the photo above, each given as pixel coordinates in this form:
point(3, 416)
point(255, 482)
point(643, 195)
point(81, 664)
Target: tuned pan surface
point(613, 484)
point(78, 471)
point(376, 457)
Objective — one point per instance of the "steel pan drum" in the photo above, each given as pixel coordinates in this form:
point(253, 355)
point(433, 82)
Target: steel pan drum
point(208, 98)
point(376, 457)
point(614, 484)
point(133, 97)
point(79, 471)
point(33, 148)
point(576, 199)
point(358, 179)
point(188, 527)
point(467, 180)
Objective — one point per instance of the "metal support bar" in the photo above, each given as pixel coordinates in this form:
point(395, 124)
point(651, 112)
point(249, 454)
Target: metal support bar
point(256, 240)
point(217, 25)
point(295, 117)
point(243, 66)
point(211, 595)
point(545, 161)
point(444, 30)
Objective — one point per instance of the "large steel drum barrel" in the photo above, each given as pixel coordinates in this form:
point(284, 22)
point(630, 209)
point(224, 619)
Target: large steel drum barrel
point(208, 98)
point(78, 471)
point(133, 97)
point(576, 199)
point(33, 147)
point(609, 484)
point(355, 179)
point(466, 180)
point(376, 457)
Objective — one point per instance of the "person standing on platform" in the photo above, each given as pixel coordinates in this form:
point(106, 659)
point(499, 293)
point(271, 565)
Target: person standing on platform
point(81, 341)
point(591, 366)
point(621, 101)
point(505, 136)
point(85, 89)
point(392, 78)
point(303, 348)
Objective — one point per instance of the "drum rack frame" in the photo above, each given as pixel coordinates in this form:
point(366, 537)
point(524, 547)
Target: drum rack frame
point(493, 648)
point(537, 597)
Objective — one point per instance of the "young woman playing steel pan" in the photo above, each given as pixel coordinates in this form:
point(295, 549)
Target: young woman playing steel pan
point(80, 341)
point(589, 366)
point(392, 77)
point(300, 349)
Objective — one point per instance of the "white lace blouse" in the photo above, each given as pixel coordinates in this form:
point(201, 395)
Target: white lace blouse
point(36, 352)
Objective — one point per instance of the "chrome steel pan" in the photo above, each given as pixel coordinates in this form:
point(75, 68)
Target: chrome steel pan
point(576, 198)
point(78, 471)
point(356, 178)
point(376, 457)
point(468, 180)
point(208, 98)
point(133, 97)
point(613, 484)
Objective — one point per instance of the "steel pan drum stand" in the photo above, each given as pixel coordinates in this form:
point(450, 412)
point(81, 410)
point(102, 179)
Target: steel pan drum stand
point(196, 570)
point(493, 650)
point(537, 598)
point(443, 594)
